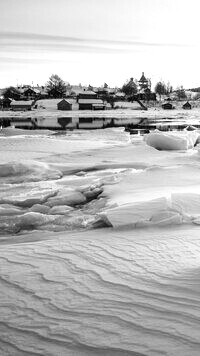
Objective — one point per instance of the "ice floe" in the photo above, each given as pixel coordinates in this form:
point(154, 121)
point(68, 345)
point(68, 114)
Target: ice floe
point(141, 214)
point(183, 140)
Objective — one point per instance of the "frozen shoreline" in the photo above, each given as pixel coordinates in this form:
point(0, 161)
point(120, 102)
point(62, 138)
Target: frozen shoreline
point(151, 114)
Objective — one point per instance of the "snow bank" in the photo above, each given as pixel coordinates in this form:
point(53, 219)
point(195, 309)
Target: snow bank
point(172, 140)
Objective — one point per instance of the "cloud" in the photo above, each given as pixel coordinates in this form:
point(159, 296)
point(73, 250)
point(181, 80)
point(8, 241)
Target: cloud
point(15, 41)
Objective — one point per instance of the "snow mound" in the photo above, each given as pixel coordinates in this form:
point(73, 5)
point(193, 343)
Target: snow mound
point(17, 172)
point(33, 219)
point(39, 208)
point(67, 197)
point(60, 210)
point(172, 140)
point(28, 200)
point(7, 209)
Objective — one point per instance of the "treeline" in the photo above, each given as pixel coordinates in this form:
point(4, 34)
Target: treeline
point(56, 88)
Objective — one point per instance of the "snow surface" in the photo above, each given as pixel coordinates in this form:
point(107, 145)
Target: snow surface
point(99, 246)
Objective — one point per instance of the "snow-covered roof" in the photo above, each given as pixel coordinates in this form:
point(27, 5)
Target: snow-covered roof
point(22, 102)
point(90, 101)
point(64, 100)
point(88, 92)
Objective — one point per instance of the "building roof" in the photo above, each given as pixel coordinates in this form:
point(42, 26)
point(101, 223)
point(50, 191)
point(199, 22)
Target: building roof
point(22, 102)
point(187, 104)
point(168, 104)
point(143, 78)
point(88, 92)
point(90, 101)
point(36, 91)
point(64, 100)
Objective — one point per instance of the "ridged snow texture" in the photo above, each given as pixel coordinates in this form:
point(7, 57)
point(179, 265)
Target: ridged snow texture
point(102, 292)
point(71, 286)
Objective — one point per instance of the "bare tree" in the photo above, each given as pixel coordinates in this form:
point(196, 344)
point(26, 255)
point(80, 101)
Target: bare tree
point(160, 89)
point(181, 94)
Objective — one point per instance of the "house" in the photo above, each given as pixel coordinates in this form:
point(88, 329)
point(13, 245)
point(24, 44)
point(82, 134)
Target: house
point(31, 93)
point(87, 94)
point(120, 96)
point(187, 106)
point(91, 104)
point(21, 105)
point(168, 106)
point(146, 94)
point(64, 105)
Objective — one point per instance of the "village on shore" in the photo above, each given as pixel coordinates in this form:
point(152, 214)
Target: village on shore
point(61, 106)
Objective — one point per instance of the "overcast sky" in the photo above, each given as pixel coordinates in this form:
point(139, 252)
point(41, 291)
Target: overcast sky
point(97, 41)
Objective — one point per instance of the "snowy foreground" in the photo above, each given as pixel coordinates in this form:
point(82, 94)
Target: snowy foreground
point(99, 246)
